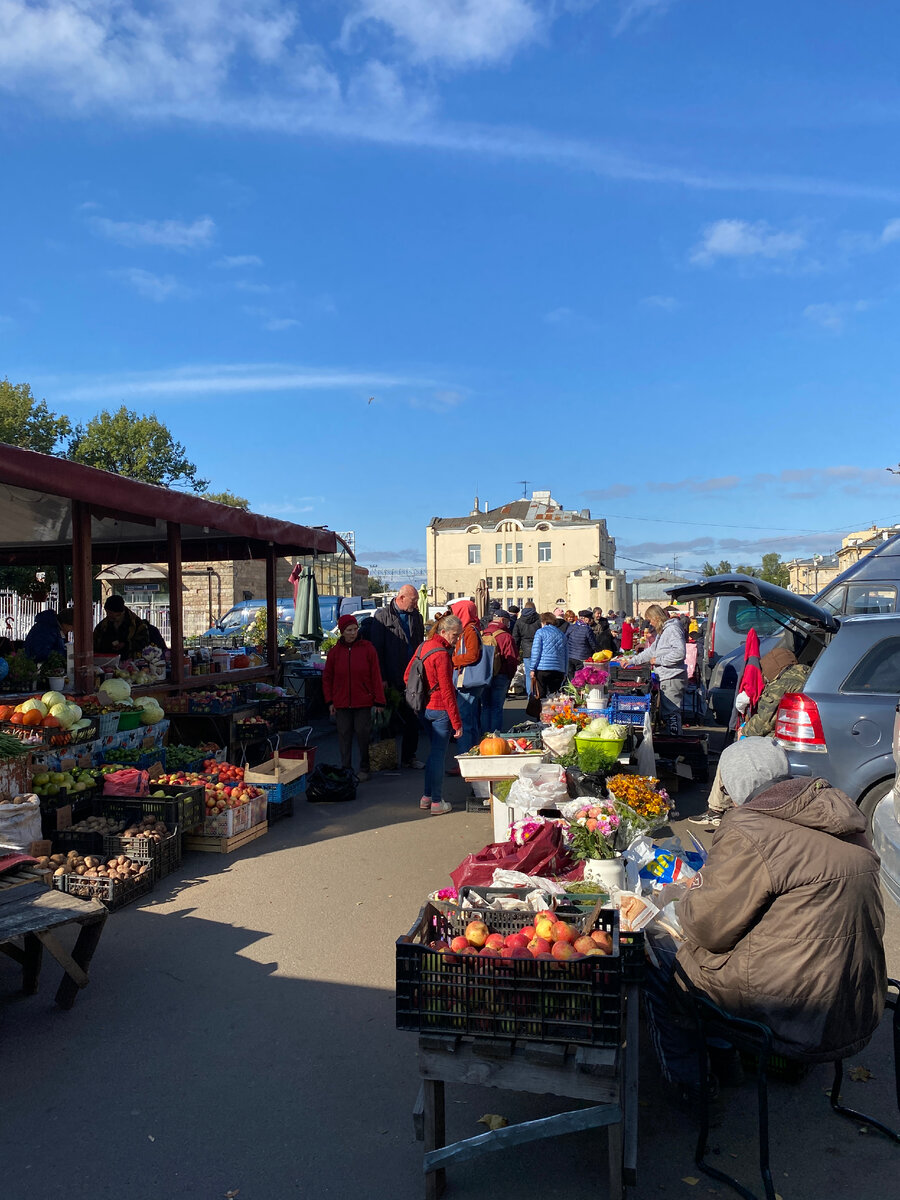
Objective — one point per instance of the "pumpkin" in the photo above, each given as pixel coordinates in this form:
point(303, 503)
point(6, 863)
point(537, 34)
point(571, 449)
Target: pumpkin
point(493, 745)
point(239, 662)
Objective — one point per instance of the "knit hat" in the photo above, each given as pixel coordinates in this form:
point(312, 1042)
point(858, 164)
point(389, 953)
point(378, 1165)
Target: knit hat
point(752, 765)
point(585, 612)
point(346, 621)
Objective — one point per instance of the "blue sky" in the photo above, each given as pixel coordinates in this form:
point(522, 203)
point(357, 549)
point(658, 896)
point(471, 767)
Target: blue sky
point(643, 253)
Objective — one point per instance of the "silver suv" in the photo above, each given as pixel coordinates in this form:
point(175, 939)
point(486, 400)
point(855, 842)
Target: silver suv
point(840, 727)
point(886, 827)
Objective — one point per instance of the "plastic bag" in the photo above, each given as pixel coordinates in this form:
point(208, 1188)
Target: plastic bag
point(544, 854)
point(646, 755)
point(580, 783)
point(20, 824)
point(539, 785)
point(127, 782)
point(562, 740)
point(328, 785)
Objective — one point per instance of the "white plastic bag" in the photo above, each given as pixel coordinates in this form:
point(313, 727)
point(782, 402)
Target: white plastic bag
point(646, 755)
point(20, 824)
point(540, 785)
point(560, 740)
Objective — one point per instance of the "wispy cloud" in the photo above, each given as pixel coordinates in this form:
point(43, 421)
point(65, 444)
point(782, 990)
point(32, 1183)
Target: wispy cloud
point(150, 286)
point(231, 262)
point(559, 316)
point(731, 238)
point(736, 548)
point(171, 235)
point(162, 63)
point(850, 480)
point(891, 231)
point(666, 303)
point(635, 12)
point(833, 317)
point(199, 382)
point(411, 555)
point(441, 401)
point(280, 324)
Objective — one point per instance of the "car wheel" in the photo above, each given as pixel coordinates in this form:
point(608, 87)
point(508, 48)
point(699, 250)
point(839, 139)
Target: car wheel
point(870, 800)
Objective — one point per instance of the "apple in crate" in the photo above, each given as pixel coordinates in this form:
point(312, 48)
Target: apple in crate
point(477, 933)
point(494, 941)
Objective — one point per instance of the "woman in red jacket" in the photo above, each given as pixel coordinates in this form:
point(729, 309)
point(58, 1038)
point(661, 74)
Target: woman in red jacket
point(442, 717)
point(352, 685)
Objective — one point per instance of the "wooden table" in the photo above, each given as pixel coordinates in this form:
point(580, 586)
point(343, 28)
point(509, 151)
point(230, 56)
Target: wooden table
point(30, 913)
point(606, 1076)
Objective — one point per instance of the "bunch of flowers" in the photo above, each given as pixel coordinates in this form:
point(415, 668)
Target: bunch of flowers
point(568, 716)
point(447, 894)
point(523, 831)
point(642, 794)
point(592, 831)
point(590, 677)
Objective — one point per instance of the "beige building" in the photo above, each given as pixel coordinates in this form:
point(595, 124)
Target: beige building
point(810, 575)
point(525, 550)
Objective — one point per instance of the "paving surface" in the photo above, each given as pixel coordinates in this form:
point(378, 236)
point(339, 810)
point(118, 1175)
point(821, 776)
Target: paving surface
point(238, 1038)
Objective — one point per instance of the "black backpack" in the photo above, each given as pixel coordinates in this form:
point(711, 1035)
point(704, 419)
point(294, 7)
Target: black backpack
point(418, 689)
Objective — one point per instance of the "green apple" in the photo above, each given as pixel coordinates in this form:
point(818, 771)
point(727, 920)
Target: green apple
point(57, 777)
point(41, 779)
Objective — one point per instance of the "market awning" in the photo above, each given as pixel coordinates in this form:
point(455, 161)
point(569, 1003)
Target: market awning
point(129, 518)
point(133, 573)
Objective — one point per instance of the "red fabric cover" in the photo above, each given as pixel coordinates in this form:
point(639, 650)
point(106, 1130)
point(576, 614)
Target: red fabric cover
point(544, 854)
point(752, 681)
point(352, 675)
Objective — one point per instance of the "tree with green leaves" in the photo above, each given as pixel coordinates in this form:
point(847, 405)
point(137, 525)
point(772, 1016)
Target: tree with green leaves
point(29, 423)
point(375, 585)
point(745, 569)
point(227, 498)
point(140, 447)
point(773, 570)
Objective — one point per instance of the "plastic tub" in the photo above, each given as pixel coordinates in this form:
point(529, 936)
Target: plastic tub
point(596, 753)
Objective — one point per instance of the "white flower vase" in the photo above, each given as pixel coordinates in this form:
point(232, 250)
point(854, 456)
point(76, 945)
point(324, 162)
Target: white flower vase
point(596, 699)
point(607, 872)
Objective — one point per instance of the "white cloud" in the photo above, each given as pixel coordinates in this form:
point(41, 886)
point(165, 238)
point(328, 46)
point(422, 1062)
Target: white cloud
point(442, 401)
point(456, 32)
point(231, 262)
point(639, 11)
point(833, 317)
point(152, 287)
point(184, 383)
point(559, 316)
point(172, 235)
point(745, 239)
point(247, 65)
point(280, 324)
point(666, 303)
point(891, 231)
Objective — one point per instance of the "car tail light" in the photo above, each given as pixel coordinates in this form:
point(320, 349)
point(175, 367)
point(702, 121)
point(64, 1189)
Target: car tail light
point(711, 633)
point(798, 725)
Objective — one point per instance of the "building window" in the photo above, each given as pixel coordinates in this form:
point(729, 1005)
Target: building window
point(498, 552)
point(489, 580)
point(543, 552)
point(519, 583)
point(519, 552)
point(474, 555)
point(509, 581)
point(449, 595)
point(509, 601)
point(509, 552)
point(609, 585)
point(529, 582)
point(594, 581)
point(519, 601)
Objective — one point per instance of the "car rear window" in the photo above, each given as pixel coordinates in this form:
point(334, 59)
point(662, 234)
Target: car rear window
point(877, 671)
point(743, 616)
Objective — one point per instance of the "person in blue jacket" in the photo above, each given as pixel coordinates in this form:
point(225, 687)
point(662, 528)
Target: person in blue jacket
point(45, 637)
point(549, 656)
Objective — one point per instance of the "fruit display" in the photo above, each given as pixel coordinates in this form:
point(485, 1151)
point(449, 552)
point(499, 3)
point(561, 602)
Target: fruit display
point(495, 745)
point(218, 699)
point(180, 755)
point(75, 780)
point(49, 718)
point(550, 938)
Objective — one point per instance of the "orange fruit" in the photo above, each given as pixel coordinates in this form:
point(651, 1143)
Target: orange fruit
point(32, 717)
point(17, 718)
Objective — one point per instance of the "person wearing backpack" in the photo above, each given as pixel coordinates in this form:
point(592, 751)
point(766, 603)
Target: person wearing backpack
point(506, 659)
point(430, 693)
point(470, 683)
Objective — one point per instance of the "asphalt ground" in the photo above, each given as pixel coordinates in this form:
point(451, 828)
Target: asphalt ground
point(237, 1040)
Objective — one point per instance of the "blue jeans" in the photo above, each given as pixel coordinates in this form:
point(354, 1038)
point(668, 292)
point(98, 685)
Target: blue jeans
point(439, 731)
point(469, 701)
point(492, 704)
point(526, 667)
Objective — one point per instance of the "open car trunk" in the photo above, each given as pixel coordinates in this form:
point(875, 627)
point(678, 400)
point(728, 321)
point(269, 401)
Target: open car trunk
point(778, 600)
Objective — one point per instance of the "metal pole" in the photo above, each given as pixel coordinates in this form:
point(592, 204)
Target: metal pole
point(271, 607)
point(82, 596)
point(176, 604)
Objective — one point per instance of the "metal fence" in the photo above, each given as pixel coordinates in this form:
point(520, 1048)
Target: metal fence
point(17, 614)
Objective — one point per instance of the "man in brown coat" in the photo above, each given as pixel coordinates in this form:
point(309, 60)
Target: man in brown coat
point(784, 923)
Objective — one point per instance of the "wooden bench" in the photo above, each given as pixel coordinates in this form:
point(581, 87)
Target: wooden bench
point(30, 912)
point(607, 1077)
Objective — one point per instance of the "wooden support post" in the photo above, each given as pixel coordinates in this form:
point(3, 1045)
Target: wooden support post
point(271, 609)
point(82, 596)
point(176, 604)
point(61, 583)
point(82, 953)
point(435, 1181)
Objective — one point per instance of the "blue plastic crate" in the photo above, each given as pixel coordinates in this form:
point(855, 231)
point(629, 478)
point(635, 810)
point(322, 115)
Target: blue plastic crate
point(278, 793)
point(628, 710)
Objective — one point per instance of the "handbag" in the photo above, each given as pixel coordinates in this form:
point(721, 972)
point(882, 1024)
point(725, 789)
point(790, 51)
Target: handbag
point(477, 674)
point(533, 707)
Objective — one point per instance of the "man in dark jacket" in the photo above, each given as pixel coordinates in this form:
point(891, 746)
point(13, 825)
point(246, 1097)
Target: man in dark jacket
point(523, 635)
point(45, 637)
point(784, 924)
point(396, 632)
point(581, 641)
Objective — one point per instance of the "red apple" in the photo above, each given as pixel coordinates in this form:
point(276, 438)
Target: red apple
point(603, 940)
point(563, 951)
point(517, 939)
point(495, 941)
point(477, 933)
point(520, 952)
point(459, 944)
point(564, 932)
point(584, 944)
point(527, 933)
point(538, 945)
point(488, 952)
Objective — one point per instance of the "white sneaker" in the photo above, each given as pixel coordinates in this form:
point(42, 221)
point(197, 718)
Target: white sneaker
point(425, 803)
point(438, 807)
point(415, 764)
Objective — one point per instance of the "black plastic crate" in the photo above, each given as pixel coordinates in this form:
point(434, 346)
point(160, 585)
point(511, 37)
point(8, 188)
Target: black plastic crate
point(166, 854)
point(65, 840)
point(111, 893)
point(630, 675)
point(184, 806)
point(275, 812)
point(693, 749)
point(283, 712)
point(579, 1001)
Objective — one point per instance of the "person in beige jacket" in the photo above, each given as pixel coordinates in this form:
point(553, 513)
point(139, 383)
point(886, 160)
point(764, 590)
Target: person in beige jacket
point(784, 924)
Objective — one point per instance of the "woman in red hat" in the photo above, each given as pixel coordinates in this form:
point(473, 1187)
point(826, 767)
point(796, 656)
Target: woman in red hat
point(352, 686)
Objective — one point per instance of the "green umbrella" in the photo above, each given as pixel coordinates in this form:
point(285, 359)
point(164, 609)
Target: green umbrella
point(423, 602)
point(307, 622)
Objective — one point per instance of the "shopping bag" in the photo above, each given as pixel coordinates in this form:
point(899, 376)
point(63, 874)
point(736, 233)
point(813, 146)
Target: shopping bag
point(544, 854)
point(533, 707)
point(539, 785)
point(329, 785)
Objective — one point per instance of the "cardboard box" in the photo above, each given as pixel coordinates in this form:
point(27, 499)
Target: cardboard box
point(289, 769)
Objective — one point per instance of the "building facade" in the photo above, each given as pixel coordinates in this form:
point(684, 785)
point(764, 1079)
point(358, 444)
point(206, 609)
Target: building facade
point(524, 550)
point(651, 589)
point(811, 575)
